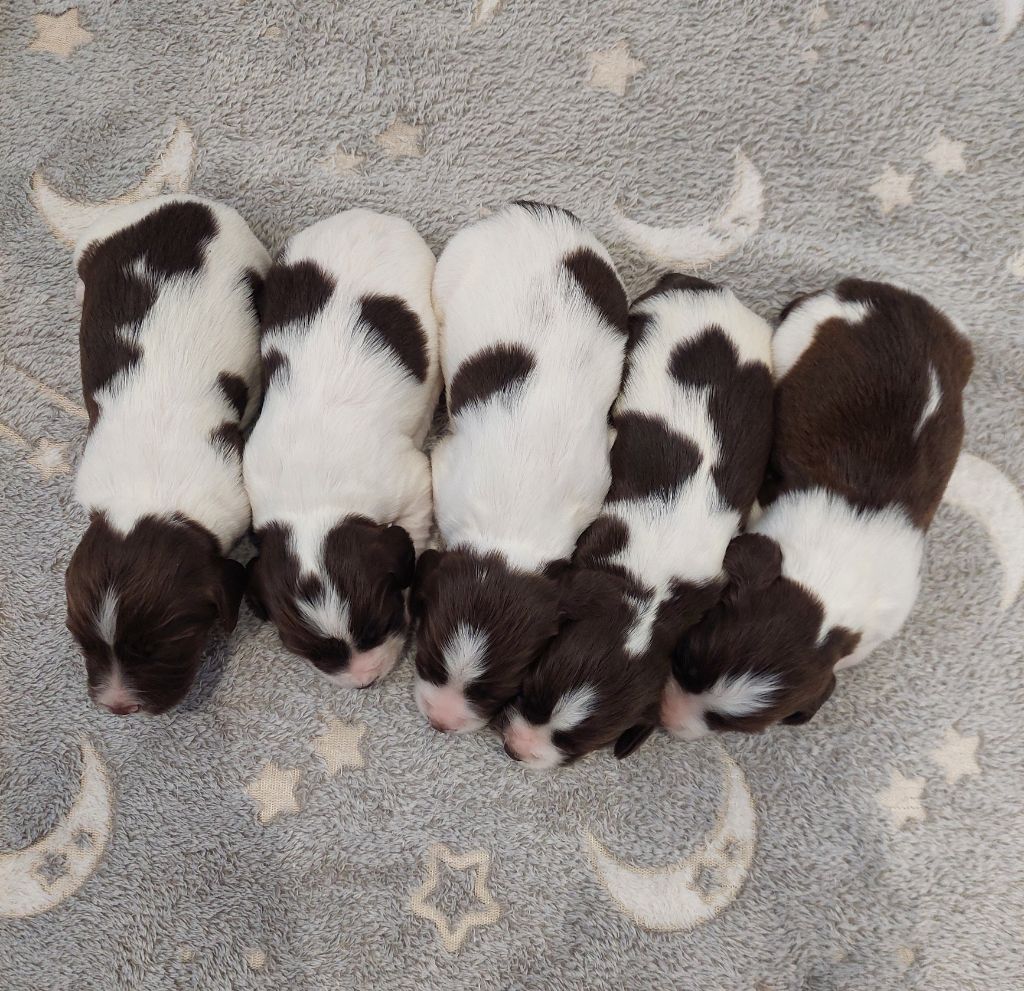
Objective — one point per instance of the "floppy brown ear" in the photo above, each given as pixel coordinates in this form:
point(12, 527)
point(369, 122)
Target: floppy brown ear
point(401, 554)
point(233, 582)
point(807, 712)
point(254, 590)
point(839, 643)
point(751, 562)
point(632, 740)
point(426, 567)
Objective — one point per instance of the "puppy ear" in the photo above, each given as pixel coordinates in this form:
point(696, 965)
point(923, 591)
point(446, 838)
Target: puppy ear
point(806, 712)
point(632, 740)
point(233, 582)
point(839, 643)
point(401, 554)
point(752, 562)
point(426, 567)
point(254, 590)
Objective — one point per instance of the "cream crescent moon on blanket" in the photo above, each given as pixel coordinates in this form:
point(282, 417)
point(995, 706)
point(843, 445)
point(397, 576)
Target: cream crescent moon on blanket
point(713, 240)
point(72, 849)
point(981, 490)
point(172, 172)
point(1012, 11)
point(694, 890)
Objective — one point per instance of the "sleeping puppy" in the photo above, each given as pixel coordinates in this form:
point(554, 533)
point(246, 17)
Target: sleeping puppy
point(868, 425)
point(170, 374)
point(335, 469)
point(693, 432)
point(533, 334)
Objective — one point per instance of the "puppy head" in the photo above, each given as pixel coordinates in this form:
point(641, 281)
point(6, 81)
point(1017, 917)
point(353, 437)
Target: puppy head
point(346, 615)
point(481, 624)
point(142, 607)
point(760, 657)
point(588, 690)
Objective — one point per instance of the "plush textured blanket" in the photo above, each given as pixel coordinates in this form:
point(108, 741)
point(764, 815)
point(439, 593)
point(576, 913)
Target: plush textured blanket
point(277, 833)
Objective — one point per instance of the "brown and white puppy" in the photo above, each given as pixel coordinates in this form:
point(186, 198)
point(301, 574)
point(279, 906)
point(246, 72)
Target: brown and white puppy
point(693, 432)
point(533, 335)
point(868, 425)
point(170, 374)
point(335, 469)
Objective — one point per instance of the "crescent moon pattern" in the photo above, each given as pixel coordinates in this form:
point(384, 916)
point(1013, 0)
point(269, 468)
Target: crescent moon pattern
point(681, 896)
point(68, 218)
point(41, 876)
point(484, 10)
point(713, 240)
point(981, 490)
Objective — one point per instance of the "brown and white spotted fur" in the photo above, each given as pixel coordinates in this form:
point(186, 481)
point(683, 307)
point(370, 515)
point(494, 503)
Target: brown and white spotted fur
point(868, 426)
point(170, 374)
point(693, 432)
point(532, 342)
point(335, 468)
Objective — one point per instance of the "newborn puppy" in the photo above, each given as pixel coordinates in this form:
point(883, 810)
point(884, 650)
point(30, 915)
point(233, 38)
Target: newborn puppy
point(170, 374)
point(335, 469)
point(868, 424)
point(533, 334)
point(693, 434)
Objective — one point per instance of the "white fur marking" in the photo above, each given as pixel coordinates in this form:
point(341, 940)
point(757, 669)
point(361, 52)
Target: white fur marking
point(464, 655)
point(327, 614)
point(106, 618)
point(572, 708)
point(932, 403)
point(740, 694)
point(798, 331)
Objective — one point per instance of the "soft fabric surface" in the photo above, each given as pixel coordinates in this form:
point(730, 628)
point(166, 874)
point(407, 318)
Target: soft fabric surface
point(276, 833)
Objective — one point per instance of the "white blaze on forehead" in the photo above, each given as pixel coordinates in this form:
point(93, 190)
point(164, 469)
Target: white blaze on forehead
point(740, 694)
point(465, 655)
point(932, 402)
point(533, 745)
point(797, 332)
point(682, 713)
point(572, 708)
point(327, 614)
point(105, 619)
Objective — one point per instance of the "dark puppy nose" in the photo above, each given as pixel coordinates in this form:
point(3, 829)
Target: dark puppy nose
point(512, 753)
point(122, 709)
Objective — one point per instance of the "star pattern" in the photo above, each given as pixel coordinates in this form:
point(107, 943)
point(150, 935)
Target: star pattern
point(892, 189)
point(454, 932)
point(613, 69)
point(402, 140)
point(255, 957)
point(50, 458)
point(338, 747)
point(819, 17)
point(903, 799)
point(957, 756)
point(273, 790)
point(946, 156)
point(59, 35)
point(1015, 264)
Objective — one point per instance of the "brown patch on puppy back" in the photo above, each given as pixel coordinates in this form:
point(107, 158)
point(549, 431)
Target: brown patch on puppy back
point(294, 294)
point(676, 282)
point(498, 370)
point(648, 459)
point(235, 391)
point(228, 438)
point(848, 414)
point(397, 329)
point(599, 283)
point(740, 407)
point(545, 210)
point(275, 367)
point(606, 537)
point(122, 276)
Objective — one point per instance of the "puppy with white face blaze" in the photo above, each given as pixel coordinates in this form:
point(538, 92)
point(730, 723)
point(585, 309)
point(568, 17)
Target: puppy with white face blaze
point(692, 436)
point(170, 373)
point(533, 336)
point(335, 468)
point(868, 426)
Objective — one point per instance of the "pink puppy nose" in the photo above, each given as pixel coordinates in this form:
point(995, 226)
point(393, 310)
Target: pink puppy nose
point(122, 708)
point(440, 726)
